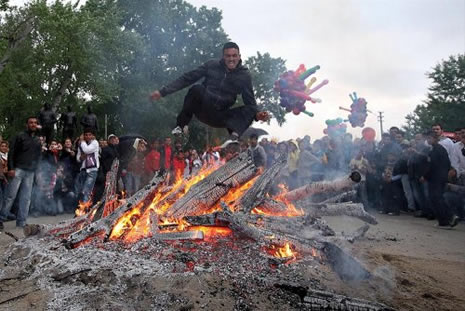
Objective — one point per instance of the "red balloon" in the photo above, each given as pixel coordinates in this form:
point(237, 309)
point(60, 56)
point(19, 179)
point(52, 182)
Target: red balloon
point(369, 134)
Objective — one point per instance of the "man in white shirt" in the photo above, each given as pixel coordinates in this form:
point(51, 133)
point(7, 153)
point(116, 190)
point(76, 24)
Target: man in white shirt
point(88, 157)
point(447, 143)
point(460, 157)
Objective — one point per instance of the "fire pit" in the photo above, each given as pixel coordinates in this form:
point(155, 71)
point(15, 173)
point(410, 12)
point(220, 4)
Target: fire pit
point(224, 221)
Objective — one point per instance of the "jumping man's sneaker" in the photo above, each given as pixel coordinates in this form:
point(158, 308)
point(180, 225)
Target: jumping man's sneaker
point(177, 131)
point(233, 139)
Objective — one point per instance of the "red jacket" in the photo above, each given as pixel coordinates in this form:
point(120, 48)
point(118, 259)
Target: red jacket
point(152, 161)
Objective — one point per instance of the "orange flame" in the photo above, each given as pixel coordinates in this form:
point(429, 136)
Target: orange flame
point(83, 208)
point(291, 210)
point(283, 252)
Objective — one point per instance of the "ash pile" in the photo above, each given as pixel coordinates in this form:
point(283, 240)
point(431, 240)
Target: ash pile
point(227, 238)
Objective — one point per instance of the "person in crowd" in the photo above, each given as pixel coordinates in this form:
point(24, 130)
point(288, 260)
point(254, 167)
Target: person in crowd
point(401, 168)
point(391, 187)
point(109, 153)
point(437, 176)
point(135, 168)
point(88, 157)
point(417, 167)
point(68, 123)
point(89, 119)
point(292, 165)
point(360, 164)
point(307, 161)
point(179, 163)
point(448, 144)
point(23, 159)
point(212, 100)
point(3, 170)
point(46, 176)
point(166, 155)
point(258, 152)
point(152, 160)
point(336, 160)
point(47, 120)
point(195, 163)
point(454, 200)
point(211, 157)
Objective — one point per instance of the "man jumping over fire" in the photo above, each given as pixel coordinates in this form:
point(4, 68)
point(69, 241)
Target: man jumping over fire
point(212, 100)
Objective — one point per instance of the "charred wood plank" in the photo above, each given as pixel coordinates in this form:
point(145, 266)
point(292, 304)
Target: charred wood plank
point(183, 235)
point(208, 191)
point(257, 193)
point(348, 196)
point(104, 226)
point(337, 185)
point(339, 209)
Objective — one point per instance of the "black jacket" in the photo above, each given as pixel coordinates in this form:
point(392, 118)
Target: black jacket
point(109, 153)
point(221, 86)
point(25, 152)
point(439, 165)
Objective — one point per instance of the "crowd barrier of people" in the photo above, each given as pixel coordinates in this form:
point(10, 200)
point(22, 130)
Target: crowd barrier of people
point(399, 175)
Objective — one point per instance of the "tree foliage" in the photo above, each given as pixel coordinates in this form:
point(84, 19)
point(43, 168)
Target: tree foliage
point(445, 101)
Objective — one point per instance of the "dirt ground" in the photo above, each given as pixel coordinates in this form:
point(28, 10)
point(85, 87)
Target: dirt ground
point(424, 267)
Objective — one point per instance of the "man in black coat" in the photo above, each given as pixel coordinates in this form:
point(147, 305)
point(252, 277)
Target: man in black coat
point(47, 120)
point(437, 176)
point(212, 100)
point(23, 160)
point(68, 122)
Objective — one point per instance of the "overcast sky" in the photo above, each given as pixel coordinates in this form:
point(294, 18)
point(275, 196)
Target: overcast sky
point(379, 48)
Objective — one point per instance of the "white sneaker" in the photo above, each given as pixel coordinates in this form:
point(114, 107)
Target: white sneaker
point(177, 131)
point(228, 142)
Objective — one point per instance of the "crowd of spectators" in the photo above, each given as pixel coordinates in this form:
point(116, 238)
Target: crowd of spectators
point(399, 175)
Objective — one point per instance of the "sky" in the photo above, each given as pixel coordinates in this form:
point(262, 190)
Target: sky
point(380, 49)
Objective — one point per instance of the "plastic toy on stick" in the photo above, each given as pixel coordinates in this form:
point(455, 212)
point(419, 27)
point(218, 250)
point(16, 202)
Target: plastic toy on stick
point(335, 127)
point(358, 111)
point(293, 91)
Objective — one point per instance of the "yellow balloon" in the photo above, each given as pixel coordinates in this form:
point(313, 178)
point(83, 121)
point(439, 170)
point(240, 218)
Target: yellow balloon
point(310, 83)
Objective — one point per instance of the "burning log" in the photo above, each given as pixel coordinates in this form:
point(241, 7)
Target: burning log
point(257, 193)
point(104, 226)
point(210, 190)
point(339, 209)
point(240, 223)
point(324, 186)
point(109, 202)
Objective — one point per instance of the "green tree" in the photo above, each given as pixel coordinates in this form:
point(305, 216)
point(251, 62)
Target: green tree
point(265, 71)
point(445, 101)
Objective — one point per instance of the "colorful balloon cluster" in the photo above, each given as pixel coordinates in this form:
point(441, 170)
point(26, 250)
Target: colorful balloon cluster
point(294, 92)
point(335, 127)
point(358, 111)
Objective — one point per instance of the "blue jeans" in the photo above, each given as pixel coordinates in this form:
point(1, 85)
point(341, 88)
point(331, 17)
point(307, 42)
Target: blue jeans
point(131, 183)
point(22, 182)
point(85, 184)
point(408, 192)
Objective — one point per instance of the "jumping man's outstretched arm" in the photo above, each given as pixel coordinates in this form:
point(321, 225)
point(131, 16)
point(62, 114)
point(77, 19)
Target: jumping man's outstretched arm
point(184, 81)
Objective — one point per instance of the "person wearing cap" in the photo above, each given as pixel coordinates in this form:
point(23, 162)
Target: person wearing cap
point(212, 100)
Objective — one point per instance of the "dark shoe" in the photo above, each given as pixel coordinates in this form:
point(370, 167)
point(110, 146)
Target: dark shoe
point(454, 221)
point(382, 212)
point(444, 227)
point(2, 227)
point(430, 217)
point(20, 224)
point(419, 214)
point(393, 214)
point(11, 216)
